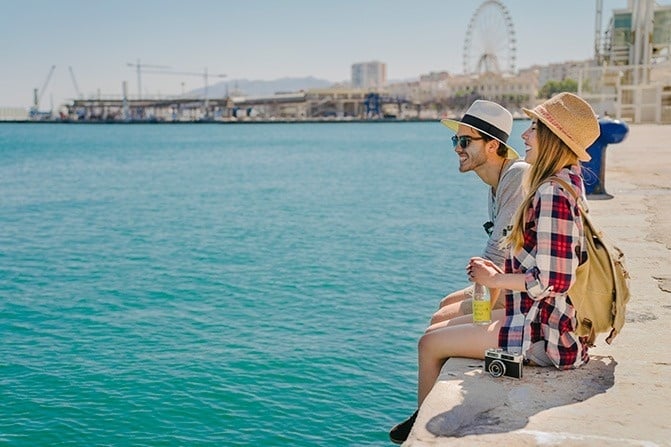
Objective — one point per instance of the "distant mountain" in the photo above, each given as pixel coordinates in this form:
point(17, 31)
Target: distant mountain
point(261, 88)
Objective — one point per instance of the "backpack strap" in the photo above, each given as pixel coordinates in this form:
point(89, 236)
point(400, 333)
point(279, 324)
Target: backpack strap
point(571, 190)
point(582, 206)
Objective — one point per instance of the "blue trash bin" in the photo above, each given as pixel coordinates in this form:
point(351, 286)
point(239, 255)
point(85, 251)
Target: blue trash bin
point(594, 171)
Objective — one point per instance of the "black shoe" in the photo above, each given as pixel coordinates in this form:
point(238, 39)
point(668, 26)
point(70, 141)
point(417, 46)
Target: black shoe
point(400, 432)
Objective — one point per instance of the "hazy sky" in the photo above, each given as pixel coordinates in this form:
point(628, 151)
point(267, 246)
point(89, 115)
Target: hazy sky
point(263, 39)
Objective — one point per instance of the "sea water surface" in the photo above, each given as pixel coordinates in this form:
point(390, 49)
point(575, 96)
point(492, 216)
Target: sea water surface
point(258, 284)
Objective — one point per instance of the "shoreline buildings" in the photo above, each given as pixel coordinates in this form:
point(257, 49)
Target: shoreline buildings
point(628, 78)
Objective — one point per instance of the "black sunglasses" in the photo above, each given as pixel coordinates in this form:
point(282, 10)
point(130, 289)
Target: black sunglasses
point(463, 140)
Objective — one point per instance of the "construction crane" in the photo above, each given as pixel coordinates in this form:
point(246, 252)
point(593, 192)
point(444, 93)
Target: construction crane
point(139, 66)
point(37, 95)
point(204, 74)
point(74, 82)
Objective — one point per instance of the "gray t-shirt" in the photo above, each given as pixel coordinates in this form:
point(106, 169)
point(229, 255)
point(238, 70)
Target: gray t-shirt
point(502, 207)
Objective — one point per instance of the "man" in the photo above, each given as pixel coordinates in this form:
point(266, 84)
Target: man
point(481, 144)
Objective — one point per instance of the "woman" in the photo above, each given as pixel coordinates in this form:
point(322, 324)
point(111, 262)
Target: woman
point(546, 244)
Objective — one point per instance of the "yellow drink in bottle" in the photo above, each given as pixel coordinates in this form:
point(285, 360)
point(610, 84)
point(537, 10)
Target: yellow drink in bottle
point(482, 309)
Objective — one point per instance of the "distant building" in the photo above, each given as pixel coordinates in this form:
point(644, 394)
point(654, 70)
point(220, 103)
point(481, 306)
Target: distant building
point(369, 75)
point(513, 92)
point(561, 71)
point(631, 80)
point(13, 114)
point(647, 19)
point(434, 76)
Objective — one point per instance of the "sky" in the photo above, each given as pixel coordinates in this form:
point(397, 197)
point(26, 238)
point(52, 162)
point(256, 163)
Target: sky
point(263, 40)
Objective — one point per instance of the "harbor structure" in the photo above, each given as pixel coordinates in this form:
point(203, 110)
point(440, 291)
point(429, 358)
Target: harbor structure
point(629, 78)
point(336, 103)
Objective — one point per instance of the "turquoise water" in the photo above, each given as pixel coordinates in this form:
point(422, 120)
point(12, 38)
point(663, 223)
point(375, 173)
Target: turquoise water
point(261, 284)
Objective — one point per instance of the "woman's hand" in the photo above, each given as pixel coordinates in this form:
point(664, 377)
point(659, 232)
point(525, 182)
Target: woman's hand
point(483, 271)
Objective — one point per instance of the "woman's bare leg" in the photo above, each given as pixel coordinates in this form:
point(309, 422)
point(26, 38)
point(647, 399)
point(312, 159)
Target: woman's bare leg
point(455, 338)
point(462, 319)
point(460, 303)
point(454, 305)
point(453, 310)
point(456, 296)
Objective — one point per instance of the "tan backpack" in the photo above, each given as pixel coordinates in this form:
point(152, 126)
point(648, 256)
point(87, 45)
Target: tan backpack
point(600, 291)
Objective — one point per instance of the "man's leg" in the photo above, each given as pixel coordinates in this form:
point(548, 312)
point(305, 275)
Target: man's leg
point(454, 305)
point(460, 303)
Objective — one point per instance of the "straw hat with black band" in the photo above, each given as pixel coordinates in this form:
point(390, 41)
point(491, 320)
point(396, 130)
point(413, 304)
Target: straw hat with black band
point(572, 119)
point(490, 119)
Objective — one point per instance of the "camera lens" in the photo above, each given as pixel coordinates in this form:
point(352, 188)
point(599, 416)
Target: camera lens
point(496, 368)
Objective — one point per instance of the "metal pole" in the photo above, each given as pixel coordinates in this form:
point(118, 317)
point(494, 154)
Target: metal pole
point(647, 37)
point(139, 81)
point(597, 31)
point(206, 98)
point(126, 111)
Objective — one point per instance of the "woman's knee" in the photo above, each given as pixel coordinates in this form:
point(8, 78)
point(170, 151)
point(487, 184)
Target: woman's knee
point(445, 301)
point(440, 315)
point(423, 345)
point(452, 311)
point(454, 297)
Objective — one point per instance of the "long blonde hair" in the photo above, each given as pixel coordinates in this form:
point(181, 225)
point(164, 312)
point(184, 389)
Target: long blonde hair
point(553, 155)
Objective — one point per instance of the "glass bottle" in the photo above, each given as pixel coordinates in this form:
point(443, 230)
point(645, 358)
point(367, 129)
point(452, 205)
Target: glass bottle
point(482, 309)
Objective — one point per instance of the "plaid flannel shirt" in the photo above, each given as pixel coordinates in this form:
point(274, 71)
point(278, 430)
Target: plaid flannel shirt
point(552, 249)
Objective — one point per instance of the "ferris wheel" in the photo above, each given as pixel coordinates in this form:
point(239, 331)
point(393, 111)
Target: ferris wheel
point(490, 44)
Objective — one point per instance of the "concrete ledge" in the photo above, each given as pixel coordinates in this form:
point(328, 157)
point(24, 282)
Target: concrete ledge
point(471, 402)
point(623, 396)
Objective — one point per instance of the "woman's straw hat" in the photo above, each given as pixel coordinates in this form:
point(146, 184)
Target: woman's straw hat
point(570, 118)
point(489, 118)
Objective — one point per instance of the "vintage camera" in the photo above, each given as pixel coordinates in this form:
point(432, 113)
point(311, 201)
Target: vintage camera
point(503, 363)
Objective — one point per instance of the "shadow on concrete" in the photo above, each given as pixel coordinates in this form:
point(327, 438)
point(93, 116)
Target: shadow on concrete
point(479, 403)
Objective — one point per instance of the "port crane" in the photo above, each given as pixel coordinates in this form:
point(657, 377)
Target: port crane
point(74, 82)
point(37, 95)
point(139, 67)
